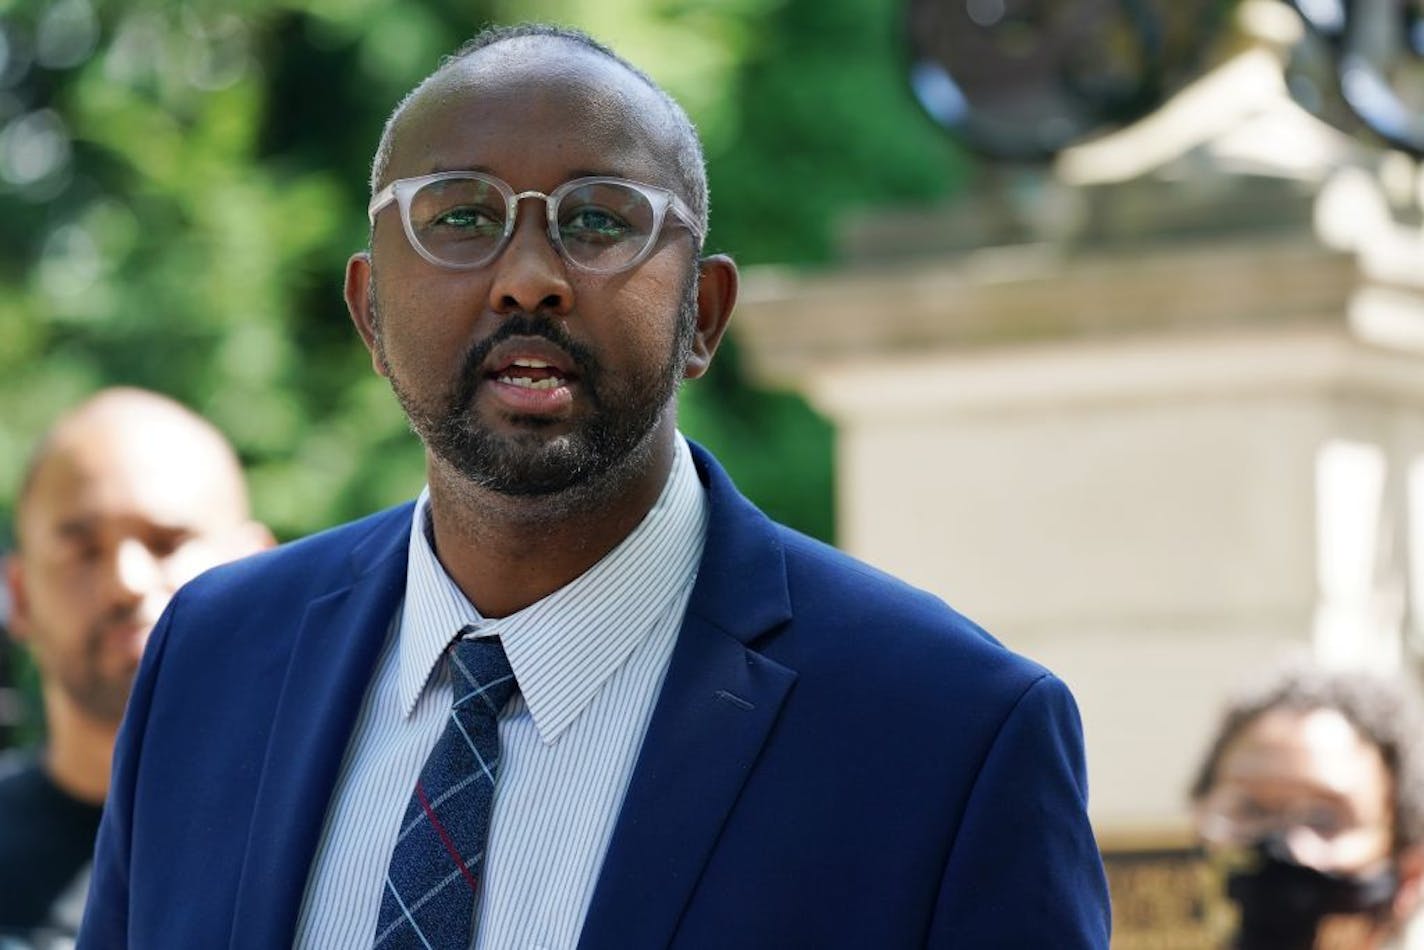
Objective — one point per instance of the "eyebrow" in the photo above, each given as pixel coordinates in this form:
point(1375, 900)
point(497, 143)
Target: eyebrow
point(442, 169)
point(84, 526)
point(76, 528)
point(573, 173)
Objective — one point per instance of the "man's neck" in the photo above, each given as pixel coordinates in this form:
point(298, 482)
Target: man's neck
point(80, 749)
point(506, 552)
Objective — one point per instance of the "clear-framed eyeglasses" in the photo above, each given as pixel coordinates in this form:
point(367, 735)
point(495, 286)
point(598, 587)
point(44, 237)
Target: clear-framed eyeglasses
point(462, 220)
point(1318, 831)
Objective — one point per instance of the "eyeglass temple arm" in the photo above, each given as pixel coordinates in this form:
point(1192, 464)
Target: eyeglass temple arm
point(680, 208)
point(379, 200)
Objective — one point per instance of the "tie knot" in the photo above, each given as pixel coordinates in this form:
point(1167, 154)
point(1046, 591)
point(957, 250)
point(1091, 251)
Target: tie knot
point(480, 673)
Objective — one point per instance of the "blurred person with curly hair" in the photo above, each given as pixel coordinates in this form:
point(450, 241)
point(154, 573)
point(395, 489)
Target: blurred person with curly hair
point(1311, 793)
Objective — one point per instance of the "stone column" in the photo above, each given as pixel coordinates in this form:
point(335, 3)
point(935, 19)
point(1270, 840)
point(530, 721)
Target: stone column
point(1154, 466)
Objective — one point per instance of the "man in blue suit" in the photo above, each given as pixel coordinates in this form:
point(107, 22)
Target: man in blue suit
point(581, 693)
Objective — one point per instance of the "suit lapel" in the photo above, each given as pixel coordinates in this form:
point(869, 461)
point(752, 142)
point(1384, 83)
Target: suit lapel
point(715, 711)
point(333, 656)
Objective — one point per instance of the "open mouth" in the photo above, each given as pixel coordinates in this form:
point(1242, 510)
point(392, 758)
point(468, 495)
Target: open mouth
point(531, 376)
point(530, 373)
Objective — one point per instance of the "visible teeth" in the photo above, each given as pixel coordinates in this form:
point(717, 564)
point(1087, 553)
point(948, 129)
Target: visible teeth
point(532, 364)
point(524, 382)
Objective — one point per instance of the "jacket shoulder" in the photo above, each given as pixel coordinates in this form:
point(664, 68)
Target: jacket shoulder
point(886, 627)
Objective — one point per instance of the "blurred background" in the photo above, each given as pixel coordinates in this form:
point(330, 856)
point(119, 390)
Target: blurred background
point(181, 183)
point(1100, 318)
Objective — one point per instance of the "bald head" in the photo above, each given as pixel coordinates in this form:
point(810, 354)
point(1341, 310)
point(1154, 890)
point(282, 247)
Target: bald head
point(127, 497)
point(135, 435)
point(551, 50)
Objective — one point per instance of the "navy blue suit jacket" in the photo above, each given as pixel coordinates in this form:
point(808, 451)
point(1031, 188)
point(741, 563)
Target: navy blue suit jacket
point(836, 759)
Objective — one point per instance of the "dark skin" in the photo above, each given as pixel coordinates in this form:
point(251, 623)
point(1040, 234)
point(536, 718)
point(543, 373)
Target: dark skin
point(536, 111)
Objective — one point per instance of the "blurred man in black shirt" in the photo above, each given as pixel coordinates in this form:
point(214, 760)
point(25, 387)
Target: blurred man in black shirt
point(128, 496)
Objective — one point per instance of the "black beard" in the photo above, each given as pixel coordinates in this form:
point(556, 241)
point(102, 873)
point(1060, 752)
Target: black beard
point(530, 464)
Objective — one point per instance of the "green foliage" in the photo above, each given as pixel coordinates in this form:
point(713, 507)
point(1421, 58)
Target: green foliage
point(180, 186)
point(194, 241)
point(827, 127)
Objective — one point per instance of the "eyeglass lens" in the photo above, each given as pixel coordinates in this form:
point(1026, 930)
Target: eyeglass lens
point(1242, 818)
point(603, 226)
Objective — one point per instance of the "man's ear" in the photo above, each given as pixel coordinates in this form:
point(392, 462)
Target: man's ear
point(716, 296)
point(18, 621)
point(360, 303)
point(249, 538)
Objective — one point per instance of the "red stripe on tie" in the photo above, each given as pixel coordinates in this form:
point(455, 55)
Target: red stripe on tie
point(445, 837)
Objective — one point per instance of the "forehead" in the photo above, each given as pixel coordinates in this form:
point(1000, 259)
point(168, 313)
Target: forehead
point(537, 111)
point(1287, 753)
point(153, 476)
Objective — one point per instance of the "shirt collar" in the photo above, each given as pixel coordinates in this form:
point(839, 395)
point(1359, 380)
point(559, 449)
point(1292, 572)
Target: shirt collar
point(564, 647)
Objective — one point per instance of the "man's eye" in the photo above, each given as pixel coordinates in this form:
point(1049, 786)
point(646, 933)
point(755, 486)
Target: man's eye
point(1325, 822)
point(77, 548)
point(1250, 810)
point(594, 223)
point(167, 543)
point(85, 553)
point(468, 218)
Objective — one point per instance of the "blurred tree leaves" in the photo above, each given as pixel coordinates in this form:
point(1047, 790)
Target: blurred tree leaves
point(180, 185)
point(194, 240)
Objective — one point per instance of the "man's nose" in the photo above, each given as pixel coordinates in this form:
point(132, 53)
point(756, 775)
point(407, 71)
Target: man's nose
point(530, 275)
point(1304, 845)
point(137, 572)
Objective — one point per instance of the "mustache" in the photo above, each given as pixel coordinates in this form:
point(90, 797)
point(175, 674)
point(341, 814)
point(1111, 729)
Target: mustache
point(112, 619)
point(526, 325)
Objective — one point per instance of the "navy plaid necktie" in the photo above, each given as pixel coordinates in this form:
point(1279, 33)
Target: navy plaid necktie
point(429, 899)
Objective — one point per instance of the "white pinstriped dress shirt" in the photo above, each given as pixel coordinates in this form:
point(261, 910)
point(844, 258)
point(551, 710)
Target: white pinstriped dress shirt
point(589, 659)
